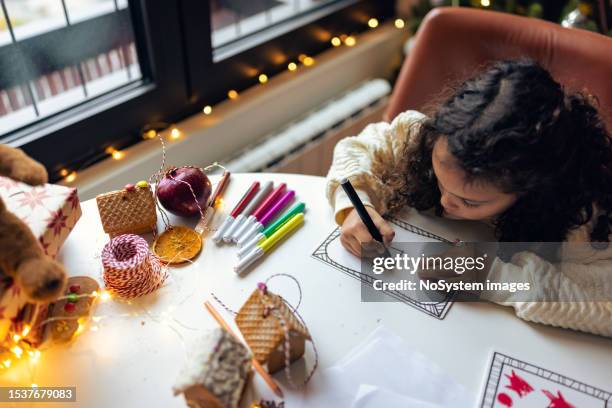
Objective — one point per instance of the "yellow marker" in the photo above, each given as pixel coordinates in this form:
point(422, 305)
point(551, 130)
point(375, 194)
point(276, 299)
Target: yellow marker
point(292, 224)
point(265, 247)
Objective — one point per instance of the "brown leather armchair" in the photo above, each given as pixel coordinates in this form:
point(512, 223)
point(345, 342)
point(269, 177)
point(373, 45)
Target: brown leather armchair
point(452, 43)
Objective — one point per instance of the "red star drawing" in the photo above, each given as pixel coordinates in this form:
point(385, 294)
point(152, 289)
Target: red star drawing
point(557, 401)
point(518, 385)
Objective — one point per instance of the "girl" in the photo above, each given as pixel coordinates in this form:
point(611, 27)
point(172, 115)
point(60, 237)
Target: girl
point(509, 148)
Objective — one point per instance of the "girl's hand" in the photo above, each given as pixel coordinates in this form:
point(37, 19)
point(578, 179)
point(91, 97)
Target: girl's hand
point(354, 233)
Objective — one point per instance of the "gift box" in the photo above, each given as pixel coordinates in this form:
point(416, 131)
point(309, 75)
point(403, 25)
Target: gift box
point(51, 211)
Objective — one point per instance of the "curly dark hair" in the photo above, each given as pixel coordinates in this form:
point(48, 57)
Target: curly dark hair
point(514, 126)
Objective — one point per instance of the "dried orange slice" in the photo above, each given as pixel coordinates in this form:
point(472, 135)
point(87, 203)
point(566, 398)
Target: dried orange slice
point(177, 245)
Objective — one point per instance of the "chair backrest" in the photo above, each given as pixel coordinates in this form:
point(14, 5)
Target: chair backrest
point(453, 42)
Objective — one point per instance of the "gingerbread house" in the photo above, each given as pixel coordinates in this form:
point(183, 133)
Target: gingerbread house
point(269, 325)
point(216, 374)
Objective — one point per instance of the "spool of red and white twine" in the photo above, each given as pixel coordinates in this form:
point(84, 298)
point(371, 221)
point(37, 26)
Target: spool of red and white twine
point(130, 269)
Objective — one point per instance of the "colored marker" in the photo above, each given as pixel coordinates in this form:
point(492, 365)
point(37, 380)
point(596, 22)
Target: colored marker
point(258, 226)
point(266, 246)
point(250, 207)
point(259, 212)
point(363, 213)
point(271, 229)
point(237, 210)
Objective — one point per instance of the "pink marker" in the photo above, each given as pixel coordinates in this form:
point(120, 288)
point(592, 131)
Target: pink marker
point(267, 217)
point(259, 212)
point(218, 236)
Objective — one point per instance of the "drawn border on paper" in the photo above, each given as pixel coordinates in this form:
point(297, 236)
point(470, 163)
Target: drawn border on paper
point(435, 309)
point(499, 361)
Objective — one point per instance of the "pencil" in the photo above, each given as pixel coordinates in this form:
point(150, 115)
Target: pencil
point(264, 374)
point(223, 182)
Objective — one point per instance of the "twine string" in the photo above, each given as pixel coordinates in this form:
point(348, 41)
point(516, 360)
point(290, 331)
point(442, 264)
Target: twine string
point(154, 180)
point(166, 172)
point(130, 268)
point(270, 309)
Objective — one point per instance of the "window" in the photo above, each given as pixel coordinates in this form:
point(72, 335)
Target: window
point(78, 77)
point(241, 24)
point(62, 54)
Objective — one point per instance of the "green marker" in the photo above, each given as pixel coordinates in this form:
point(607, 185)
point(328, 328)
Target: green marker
point(272, 228)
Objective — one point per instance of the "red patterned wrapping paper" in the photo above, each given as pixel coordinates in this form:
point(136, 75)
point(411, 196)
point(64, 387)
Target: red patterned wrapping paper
point(51, 212)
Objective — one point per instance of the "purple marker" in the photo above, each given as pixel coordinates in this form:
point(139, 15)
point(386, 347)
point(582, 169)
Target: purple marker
point(267, 217)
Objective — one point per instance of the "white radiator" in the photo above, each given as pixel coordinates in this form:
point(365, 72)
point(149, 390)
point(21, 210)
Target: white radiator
point(272, 148)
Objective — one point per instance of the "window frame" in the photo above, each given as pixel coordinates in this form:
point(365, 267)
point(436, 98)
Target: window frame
point(174, 57)
point(119, 112)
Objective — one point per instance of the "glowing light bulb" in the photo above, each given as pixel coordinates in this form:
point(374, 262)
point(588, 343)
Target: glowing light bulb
point(232, 94)
point(7, 363)
point(25, 331)
point(336, 41)
point(372, 23)
point(118, 155)
point(485, 3)
point(63, 172)
point(263, 78)
point(105, 295)
point(18, 351)
point(292, 66)
point(175, 133)
point(399, 23)
point(350, 41)
point(308, 61)
point(16, 338)
point(34, 385)
point(207, 110)
point(150, 134)
point(71, 177)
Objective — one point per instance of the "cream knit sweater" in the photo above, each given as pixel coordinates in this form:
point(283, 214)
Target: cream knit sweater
point(585, 275)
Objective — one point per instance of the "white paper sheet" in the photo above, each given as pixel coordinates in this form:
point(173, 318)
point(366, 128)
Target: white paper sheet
point(379, 371)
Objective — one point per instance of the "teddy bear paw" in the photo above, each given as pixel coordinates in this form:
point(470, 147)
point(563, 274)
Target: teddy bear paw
point(29, 172)
point(42, 279)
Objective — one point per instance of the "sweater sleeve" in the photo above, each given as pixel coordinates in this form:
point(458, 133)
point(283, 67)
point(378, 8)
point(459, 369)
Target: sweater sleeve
point(359, 158)
point(572, 295)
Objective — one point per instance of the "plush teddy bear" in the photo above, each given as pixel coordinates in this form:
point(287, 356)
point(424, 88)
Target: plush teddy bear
point(41, 278)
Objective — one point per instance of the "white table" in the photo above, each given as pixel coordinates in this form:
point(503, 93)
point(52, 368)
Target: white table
point(131, 356)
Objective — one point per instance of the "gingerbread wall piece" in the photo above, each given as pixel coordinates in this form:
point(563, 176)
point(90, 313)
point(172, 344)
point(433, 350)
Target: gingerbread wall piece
point(216, 374)
point(128, 211)
point(261, 320)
